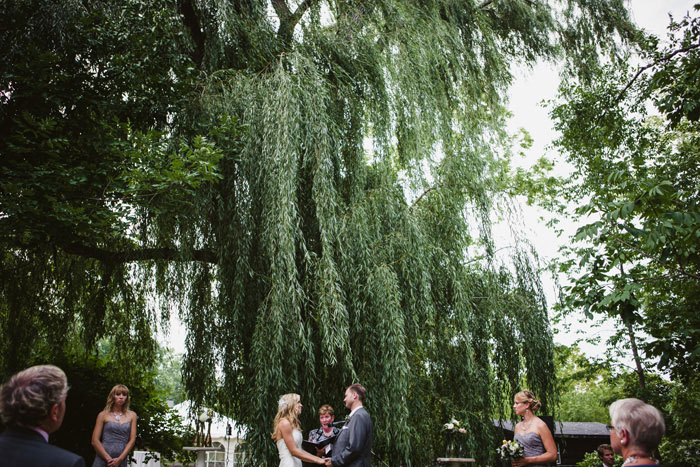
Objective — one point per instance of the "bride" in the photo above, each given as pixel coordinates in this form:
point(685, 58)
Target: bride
point(287, 434)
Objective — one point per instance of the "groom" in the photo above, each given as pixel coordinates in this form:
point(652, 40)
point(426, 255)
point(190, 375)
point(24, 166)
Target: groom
point(352, 448)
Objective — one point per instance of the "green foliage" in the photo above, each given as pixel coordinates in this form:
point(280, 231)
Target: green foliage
point(682, 447)
point(585, 387)
point(577, 373)
point(678, 94)
point(311, 191)
point(684, 405)
point(633, 194)
point(680, 453)
point(168, 376)
point(589, 387)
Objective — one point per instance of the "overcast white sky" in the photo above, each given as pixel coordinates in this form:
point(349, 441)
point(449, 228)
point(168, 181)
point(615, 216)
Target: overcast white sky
point(529, 90)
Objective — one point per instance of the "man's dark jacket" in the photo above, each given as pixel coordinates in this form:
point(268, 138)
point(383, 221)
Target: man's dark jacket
point(354, 443)
point(24, 447)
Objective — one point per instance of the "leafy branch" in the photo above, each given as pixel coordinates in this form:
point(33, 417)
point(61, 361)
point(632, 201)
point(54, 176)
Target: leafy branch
point(663, 59)
point(681, 270)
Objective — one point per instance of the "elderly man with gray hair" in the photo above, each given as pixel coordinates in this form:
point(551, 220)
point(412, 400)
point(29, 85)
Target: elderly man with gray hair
point(636, 429)
point(32, 406)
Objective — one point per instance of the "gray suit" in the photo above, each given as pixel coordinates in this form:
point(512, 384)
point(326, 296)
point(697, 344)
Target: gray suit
point(352, 448)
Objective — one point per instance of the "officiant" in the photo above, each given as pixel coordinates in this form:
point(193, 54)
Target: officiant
point(326, 416)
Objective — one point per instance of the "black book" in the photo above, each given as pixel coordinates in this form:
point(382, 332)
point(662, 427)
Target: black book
point(311, 446)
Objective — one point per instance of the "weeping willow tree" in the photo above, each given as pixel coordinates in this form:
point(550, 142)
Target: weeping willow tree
point(309, 185)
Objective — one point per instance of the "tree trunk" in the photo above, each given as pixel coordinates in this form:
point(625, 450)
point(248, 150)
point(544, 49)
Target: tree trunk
point(627, 315)
point(637, 361)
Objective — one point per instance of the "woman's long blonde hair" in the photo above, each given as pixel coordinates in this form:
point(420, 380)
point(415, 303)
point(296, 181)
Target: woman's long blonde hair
point(118, 389)
point(286, 408)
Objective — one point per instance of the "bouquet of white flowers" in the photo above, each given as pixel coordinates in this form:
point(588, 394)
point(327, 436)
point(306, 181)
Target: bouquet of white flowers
point(455, 432)
point(455, 426)
point(509, 450)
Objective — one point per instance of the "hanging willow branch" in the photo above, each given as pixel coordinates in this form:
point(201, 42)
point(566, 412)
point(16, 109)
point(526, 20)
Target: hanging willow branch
point(145, 254)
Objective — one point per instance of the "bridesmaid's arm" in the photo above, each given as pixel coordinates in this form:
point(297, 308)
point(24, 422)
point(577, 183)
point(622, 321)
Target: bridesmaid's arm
point(96, 435)
point(286, 429)
point(550, 454)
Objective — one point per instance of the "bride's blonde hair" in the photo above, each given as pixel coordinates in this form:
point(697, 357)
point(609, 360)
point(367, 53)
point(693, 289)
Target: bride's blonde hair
point(286, 408)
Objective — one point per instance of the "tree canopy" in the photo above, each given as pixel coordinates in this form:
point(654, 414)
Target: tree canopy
point(309, 185)
point(634, 183)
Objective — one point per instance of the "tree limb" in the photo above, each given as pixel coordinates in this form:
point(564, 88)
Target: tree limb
point(679, 269)
point(191, 21)
point(654, 63)
point(289, 20)
point(485, 3)
point(422, 195)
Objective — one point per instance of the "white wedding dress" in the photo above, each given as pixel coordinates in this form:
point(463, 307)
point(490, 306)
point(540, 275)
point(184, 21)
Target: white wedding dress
point(286, 458)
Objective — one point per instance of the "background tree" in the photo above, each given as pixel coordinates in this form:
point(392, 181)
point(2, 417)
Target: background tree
point(635, 179)
point(168, 375)
point(634, 188)
point(588, 387)
point(311, 190)
point(585, 386)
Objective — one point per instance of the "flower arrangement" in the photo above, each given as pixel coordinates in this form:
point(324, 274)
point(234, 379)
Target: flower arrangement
point(510, 450)
point(454, 427)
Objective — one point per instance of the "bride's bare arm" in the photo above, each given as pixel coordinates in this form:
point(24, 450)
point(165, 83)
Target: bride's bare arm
point(286, 430)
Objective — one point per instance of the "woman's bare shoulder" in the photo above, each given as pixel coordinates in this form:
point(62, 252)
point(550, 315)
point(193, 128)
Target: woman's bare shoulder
point(284, 423)
point(542, 426)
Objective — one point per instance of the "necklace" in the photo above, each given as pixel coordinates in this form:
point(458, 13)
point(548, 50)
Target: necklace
point(117, 416)
point(633, 459)
point(525, 425)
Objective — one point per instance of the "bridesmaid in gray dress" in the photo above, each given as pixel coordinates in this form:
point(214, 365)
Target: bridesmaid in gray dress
point(115, 430)
point(532, 433)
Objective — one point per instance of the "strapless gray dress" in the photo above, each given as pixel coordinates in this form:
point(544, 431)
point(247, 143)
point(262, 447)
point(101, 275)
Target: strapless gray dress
point(532, 445)
point(114, 439)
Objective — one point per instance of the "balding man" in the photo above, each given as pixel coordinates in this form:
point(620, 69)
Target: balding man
point(32, 406)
